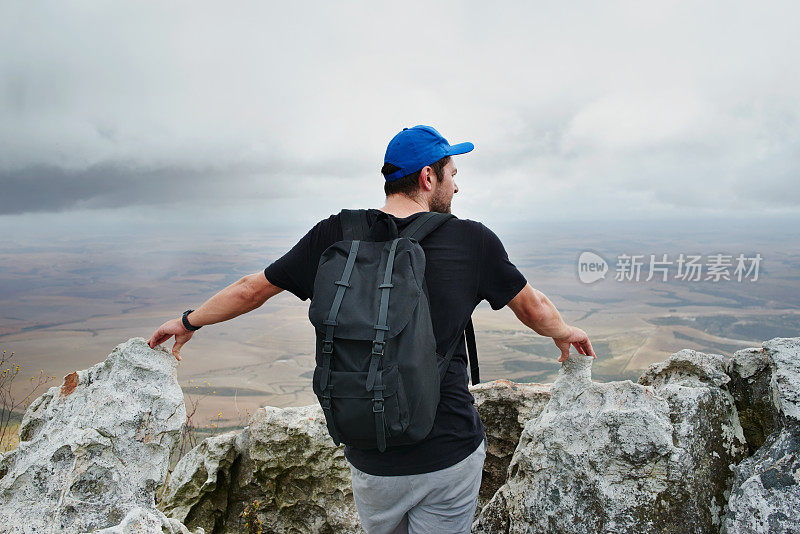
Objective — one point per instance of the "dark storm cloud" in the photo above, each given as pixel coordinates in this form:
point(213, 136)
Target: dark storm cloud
point(47, 188)
point(43, 188)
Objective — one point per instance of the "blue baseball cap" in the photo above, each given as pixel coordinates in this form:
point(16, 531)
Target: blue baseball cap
point(414, 148)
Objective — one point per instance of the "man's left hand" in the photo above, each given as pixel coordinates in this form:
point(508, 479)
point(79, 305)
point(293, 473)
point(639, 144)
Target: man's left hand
point(166, 331)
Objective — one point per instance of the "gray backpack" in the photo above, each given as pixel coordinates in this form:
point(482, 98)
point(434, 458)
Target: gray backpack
point(378, 372)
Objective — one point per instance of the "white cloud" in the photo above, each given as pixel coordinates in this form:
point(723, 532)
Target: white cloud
point(575, 109)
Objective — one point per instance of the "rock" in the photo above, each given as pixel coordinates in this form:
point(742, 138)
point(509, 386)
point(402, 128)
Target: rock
point(688, 368)
point(766, 489)
point(652, 456)
point(784, 358)
point(283, 470)
point(140, 520)
point(93, 452)
point(504, 408)
point(624, 457)
point(200, 483)
point(751, 375)
point(706, 428)
point(285, 460)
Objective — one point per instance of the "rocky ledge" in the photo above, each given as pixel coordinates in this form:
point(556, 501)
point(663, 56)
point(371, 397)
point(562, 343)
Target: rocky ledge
point(702, 443)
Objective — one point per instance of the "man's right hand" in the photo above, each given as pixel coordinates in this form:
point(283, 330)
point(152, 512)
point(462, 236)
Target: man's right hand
point(535, 310)
point(166, 331)
point(579, 339)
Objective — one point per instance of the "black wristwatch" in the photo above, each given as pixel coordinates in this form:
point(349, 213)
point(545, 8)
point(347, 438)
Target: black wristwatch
point(185, 321)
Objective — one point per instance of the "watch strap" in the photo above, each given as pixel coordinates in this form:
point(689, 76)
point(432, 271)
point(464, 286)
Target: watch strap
point(186, 324)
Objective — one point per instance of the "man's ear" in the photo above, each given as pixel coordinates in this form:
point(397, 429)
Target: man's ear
point(426, 178)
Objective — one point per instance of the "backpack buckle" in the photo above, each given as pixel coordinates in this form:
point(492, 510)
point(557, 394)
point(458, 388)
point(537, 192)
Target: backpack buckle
point(377, 347)
point(327, 347)
point(377, 405)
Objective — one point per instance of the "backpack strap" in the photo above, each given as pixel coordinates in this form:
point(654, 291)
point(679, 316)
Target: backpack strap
point(354, 224)
point(472, 349)
point(419, 229)
point(425, 224)
point(381, 327)
point(377, 409)
point(469, 333)
point(374, 376)
point(327, 344)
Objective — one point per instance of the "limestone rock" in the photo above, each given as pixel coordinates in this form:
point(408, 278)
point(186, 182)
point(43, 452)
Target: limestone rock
point(96, 449)
point(766, 490)
point(285, 460)
point(784, 357)
point(504, 408)
point(688, 368)
point(624, 457)
point(653, 456)
point(751, 375)
point(140, 520)
point(283, 470)
point(198, 486)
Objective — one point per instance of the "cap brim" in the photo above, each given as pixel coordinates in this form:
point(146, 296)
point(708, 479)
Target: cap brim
point(460, 148)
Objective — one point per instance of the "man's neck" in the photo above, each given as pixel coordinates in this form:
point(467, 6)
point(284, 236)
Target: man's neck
point(402, 206)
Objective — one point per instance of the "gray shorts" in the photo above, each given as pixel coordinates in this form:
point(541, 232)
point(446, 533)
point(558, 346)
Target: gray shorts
point(437, 503)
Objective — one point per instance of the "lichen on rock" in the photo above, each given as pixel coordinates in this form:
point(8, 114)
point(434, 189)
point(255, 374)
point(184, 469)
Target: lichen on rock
point(624, 457)
point(505, 407)
point(765, 496)
point(93, 451)
point(666, 454)
point(284, 460)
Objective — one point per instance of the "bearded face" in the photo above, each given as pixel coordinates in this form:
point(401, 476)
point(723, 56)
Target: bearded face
point(446, 187)
point(441, 201)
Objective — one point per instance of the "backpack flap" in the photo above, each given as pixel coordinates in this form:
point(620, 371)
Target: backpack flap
point(383, 229)
point(359, 303)
point(354, 224)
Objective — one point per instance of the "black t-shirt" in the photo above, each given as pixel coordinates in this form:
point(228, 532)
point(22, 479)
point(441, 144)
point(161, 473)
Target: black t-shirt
point(465, 263)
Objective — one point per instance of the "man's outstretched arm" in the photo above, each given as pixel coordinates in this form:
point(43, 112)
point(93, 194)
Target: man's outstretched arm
point(535, 310)
point(244, 295)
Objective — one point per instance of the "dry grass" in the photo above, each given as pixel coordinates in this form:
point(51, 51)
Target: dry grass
point(10, 440)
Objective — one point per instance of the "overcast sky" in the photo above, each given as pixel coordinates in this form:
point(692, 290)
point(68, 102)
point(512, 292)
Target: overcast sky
point(255, 111)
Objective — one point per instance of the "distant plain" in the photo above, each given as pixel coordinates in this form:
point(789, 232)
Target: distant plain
point(66, 302)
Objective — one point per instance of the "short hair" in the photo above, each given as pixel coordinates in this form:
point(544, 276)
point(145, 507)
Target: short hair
point(409, 184)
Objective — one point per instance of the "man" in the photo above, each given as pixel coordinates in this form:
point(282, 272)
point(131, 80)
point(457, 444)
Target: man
point(430, 486)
